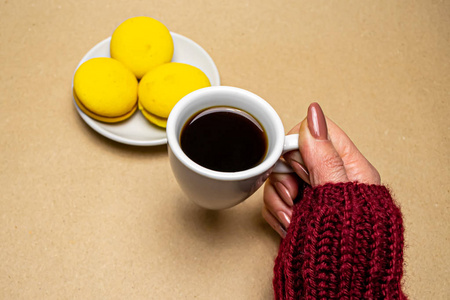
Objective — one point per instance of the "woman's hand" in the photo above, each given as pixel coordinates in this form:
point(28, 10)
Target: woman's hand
point(329, 156)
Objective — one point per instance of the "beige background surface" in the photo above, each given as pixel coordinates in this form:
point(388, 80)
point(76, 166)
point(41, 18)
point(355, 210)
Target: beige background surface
point(83, 217)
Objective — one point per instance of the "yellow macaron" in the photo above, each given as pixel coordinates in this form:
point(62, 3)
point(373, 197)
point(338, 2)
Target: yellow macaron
point(105, 90)
point(141, 43)
point(163, 86)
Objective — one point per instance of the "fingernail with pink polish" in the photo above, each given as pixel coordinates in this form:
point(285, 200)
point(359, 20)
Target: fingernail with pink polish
point(282, 232)
point(278, 228)
point(299, 168)
point(284, 193)
point(316, 122)
point(284, 219)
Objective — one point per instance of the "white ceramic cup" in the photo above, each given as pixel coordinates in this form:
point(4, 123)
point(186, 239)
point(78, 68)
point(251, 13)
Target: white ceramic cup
point(219, 190)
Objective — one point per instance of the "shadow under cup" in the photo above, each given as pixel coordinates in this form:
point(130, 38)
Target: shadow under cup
point(213, 189)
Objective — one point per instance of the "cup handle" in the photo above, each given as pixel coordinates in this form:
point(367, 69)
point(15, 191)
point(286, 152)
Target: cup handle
point(290, 143)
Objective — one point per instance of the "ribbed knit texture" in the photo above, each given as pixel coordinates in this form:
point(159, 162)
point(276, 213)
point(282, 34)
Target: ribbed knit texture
point(345, 241)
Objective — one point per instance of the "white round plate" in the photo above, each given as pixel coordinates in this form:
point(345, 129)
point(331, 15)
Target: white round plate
point(137, 130)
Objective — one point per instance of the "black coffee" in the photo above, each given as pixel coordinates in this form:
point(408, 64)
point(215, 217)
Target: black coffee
point(224, 139)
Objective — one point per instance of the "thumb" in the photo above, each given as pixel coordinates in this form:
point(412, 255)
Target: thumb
point(321, 159)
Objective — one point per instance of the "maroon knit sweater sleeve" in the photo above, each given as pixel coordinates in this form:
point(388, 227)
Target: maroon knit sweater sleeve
point(345, 241)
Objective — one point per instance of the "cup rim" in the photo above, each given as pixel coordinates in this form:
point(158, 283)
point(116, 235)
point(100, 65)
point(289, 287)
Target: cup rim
point(174, 145)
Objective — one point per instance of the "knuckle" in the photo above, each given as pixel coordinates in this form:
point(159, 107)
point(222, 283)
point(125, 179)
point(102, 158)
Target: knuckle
point(332, 163)
point(330, 168)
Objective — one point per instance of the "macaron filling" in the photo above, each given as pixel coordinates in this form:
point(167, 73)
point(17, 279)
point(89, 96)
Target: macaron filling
point(154, 119)
point(101, 118)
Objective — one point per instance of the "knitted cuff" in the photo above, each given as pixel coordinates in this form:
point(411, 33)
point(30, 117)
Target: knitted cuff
point(345, 240)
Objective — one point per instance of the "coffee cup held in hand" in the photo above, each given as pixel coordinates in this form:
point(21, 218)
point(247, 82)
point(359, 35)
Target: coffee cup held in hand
point(223, 143)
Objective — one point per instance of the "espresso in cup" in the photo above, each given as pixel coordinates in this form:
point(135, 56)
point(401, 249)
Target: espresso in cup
point(224, 139)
